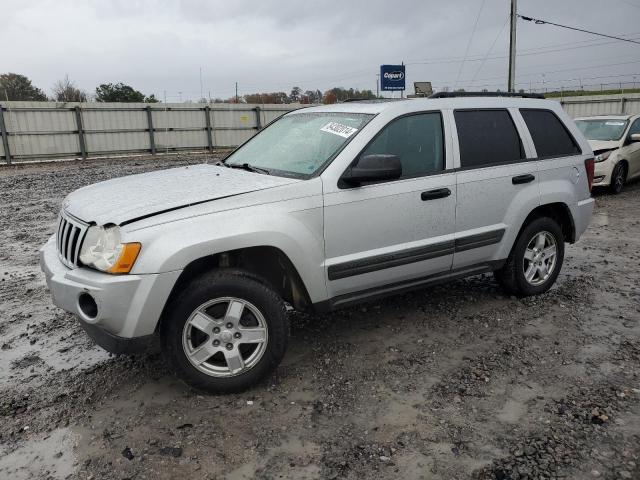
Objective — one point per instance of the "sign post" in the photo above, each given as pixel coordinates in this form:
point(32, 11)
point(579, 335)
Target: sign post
point(392, 78)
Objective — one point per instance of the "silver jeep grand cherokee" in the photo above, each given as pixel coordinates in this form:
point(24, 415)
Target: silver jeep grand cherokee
point(326, 207)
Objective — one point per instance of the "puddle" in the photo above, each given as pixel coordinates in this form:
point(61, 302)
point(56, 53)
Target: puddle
point(299, 460)
point(515, 408)
point(48, 457)
point(48, 354)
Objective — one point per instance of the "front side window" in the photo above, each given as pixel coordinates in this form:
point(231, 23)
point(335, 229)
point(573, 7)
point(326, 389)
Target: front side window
point(487, 137)
point(299, 144)
point(416, 139)
point(549, 135)
point(635, 127)
point(603, 129)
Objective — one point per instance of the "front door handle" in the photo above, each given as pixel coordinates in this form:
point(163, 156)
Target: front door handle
point(517, 180)
point(433, 194)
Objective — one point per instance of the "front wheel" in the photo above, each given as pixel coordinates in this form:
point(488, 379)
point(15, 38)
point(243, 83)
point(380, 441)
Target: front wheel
point(618, 177)
point(535, 260)
point(225, 332)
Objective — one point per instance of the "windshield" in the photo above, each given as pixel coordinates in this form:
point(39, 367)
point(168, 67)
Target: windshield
point(299, 144)
point(602, 129)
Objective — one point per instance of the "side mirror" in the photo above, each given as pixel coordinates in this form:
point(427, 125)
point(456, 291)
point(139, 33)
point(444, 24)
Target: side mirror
point(634, 137)
point(373, 168)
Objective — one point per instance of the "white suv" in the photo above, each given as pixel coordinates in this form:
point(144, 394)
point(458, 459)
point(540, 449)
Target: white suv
point(615, 141)
point(326, 207)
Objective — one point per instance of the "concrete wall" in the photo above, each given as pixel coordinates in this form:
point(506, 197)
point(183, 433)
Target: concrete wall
point(620, 104)
point(43, 130)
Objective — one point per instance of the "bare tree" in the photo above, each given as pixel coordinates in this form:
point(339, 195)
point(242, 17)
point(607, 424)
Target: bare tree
point(66, 91)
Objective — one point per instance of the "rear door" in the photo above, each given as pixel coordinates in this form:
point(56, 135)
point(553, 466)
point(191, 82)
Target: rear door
point(386, 235)
point(561, 169)
point(496, 183)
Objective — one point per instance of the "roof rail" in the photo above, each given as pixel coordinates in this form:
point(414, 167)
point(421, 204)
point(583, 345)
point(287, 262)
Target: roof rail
point(486, 94)
point(370, 100)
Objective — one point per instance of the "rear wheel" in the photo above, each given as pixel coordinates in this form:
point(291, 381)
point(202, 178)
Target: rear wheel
point(225, 332)
point(618, 177)
point(535, 260)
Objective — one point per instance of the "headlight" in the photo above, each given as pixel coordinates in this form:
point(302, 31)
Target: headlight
point(103, 250)
point(603, 156)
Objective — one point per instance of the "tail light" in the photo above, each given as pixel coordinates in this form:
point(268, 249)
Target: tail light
point(589, 165)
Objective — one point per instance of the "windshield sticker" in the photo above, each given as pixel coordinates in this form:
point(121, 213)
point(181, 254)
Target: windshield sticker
point(339, 129)
point(615, 124)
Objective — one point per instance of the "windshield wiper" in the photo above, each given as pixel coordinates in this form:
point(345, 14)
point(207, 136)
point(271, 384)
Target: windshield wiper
point(248, 168)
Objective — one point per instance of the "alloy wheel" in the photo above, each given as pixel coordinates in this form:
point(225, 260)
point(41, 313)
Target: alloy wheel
point(619, 179)
point(225, 337)
point(540, 258)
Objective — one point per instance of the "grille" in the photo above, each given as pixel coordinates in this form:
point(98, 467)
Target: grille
point(70, 235)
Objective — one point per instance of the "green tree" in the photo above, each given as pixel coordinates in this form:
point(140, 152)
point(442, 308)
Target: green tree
point(294, 97)
point(18, 87)
point(341, 94)
point(118, 92)
point(152, 99)
point(273, 97)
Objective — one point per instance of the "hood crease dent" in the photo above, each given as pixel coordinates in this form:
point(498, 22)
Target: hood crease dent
point(125, 200)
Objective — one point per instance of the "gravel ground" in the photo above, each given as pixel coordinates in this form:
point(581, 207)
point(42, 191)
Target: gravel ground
point(458, 381)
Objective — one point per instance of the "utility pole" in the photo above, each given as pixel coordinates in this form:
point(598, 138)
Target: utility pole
point(377, 85)
point(402, 91)
point(201, 93)
point(512, 47)
point(236, 92)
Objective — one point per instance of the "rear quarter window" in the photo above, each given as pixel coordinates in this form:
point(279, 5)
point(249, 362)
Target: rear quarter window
point(550, 136)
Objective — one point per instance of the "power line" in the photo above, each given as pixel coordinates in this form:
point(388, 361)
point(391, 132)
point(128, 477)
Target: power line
point(521, 53)
point(440, 60)
point(537, 21)
point(466, 52)
point(490, 49)
point(563, 70)
point(534, 51)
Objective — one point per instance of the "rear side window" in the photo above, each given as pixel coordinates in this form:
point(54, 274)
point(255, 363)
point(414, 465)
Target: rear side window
point(416, 139)
point(487, 137)
point(550, 137)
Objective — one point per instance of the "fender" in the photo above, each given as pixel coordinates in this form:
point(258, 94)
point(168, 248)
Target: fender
point(294, 226)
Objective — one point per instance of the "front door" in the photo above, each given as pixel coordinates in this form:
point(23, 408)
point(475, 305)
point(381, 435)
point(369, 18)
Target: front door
point(386, 235)
point(631, 151)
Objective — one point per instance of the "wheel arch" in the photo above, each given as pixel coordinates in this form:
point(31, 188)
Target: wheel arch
point(267, 264)
point(625, 163)
point(558, 211)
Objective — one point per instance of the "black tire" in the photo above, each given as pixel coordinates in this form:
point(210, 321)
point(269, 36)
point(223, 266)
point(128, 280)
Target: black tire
point(214, 285)
point(618, 177)
point(511, 277)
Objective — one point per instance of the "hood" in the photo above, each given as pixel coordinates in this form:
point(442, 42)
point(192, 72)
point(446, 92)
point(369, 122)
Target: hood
point(603, 144)
point(126, 199)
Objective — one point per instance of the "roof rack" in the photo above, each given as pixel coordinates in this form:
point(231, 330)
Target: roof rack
point(486, 94)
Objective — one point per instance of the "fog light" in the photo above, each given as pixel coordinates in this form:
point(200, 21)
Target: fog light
point(598, 179)
point(88, 305)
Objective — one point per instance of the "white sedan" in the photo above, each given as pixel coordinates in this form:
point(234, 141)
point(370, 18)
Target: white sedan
point(615, 140)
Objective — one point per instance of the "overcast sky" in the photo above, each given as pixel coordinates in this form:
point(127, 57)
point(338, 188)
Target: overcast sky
point(159, 46)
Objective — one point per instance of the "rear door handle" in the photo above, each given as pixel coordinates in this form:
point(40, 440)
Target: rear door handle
point(517, 180)
point(433, 194)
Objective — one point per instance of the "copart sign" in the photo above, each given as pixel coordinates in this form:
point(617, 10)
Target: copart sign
point(392, 77)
